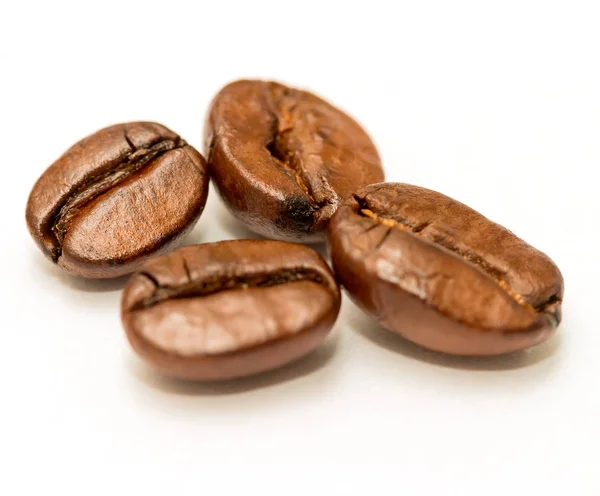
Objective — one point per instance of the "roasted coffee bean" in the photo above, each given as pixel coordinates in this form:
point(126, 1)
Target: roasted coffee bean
point(116, 198)
point(229, 309)
point(283, 159)
point(441, 274)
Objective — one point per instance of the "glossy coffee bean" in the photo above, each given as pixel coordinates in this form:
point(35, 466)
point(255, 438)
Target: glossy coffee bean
point(229, 309)
point(283, 159)
point(441, 274)
point(117, 198)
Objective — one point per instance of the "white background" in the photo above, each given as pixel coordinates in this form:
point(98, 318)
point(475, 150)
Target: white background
point(494, 103)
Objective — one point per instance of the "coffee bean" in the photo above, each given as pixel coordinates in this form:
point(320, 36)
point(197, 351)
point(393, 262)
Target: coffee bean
point(117, 198)
point(283, 159)
point(441, 274)
point(229, 309)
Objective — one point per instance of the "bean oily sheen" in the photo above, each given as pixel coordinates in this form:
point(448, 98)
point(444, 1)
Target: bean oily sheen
point(442, 275)
point(229, 309)
point(283, 159)
point(116, 198)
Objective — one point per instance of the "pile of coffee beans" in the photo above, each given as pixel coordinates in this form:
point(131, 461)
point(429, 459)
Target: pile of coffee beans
point(295, 169)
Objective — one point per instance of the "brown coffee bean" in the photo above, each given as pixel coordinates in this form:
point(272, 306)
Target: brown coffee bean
point(441, 274)
point(229, 309)
point(116, 198)
point(283, 159)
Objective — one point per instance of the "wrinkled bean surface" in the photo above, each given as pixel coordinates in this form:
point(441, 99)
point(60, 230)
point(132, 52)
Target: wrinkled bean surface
point(116, 198)
point(441, 274)
point(283, 159)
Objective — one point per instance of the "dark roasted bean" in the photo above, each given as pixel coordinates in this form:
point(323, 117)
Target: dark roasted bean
point(229, 309)
point(116, 198)
point(441, 274)
point(283, 159)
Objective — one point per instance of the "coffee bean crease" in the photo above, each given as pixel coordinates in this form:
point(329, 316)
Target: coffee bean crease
point(98, 184)
point(470, 257)
point(294, 128)
point(283, 159)
point(206, 287)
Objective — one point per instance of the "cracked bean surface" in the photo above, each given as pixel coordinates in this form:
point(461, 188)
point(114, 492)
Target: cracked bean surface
point(229, 309)
point(114, 199)
point(283, 159)
point(441, 274)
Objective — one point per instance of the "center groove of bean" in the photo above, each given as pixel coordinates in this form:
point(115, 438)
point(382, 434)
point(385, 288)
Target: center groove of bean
point(286, 121)
point(471, 258)
point(217, 284)
point(99, 184)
